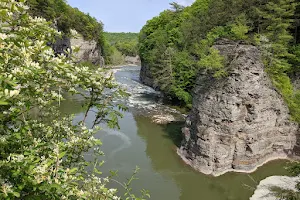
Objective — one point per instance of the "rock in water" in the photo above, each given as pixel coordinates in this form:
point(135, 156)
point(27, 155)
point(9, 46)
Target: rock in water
point(266, 187)
point(163, 119)
point(239, 122)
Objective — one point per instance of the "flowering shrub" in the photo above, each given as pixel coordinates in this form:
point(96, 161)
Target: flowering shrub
point(41, 157)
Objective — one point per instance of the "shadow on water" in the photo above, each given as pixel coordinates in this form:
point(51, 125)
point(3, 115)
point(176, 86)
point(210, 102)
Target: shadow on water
point(181, 182)
point(173, 131)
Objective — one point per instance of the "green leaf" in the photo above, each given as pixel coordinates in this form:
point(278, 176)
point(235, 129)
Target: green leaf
point(3, 103)
point(16, 194)
point(62, 154)
point(73, 170)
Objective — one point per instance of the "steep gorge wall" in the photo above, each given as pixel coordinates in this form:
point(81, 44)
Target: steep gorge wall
point(146, 75)
point(240, 122)
point(88, 50)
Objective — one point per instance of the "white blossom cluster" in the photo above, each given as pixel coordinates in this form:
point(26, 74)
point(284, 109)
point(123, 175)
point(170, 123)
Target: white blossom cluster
point(42, 149)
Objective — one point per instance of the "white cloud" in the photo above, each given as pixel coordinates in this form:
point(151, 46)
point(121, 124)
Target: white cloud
point(185, 2)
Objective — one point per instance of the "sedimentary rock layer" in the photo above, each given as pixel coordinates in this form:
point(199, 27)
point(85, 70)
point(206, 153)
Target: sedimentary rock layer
point(239, 122)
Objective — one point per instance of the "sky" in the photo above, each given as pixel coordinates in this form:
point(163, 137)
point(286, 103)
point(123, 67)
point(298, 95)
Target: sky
point(124, 15)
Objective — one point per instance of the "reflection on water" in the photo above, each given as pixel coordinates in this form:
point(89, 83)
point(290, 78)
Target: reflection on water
point(192, 184)
point(152, 147)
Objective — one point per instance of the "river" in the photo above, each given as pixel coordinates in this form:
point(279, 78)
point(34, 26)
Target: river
point(152, 147)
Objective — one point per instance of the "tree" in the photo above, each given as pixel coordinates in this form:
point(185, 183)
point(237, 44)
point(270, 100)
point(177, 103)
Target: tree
point(164, 71)
point(277, 21)
point(42, 157)
point(176, 7)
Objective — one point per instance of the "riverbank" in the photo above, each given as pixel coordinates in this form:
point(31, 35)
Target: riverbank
point(120, 66)
point(141, 142)
point(282, 157)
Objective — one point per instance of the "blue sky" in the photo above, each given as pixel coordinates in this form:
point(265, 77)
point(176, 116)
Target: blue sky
point(124, 15)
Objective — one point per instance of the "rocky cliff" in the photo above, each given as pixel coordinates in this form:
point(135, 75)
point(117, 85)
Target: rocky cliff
point(146, 76)
point(88, 50)
point(239, 122)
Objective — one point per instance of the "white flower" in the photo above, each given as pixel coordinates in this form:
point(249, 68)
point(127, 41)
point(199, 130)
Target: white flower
point(14, 93)
point(112, 190)
point(73, 32)
point(3, 36)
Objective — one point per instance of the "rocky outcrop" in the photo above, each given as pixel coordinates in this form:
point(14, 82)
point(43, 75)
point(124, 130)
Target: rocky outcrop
point(146, 76)
point(133, 60)
point(267, 187)
point(88, 50)
point(239, 122)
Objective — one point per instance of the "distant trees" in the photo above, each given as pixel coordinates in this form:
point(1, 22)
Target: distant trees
point(126, 43)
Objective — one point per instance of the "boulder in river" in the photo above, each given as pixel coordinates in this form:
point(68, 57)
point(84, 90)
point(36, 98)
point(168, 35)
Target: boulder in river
point(239, 122)
point(266, 190)
point(163, 119)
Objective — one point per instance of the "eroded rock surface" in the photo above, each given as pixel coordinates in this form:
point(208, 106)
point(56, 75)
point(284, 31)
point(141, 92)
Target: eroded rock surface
point(163, 119)
point(266, 187)
point(239, 122)
point(88, 51)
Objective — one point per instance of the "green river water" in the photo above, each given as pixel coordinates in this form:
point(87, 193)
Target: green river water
point(152, 147)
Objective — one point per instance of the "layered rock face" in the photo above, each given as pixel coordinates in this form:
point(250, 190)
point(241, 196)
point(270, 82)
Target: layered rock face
point(88, 50)
point(239, 122)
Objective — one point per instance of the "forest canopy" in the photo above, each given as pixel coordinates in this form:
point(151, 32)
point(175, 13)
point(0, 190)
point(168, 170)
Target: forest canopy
point(178, 43)
point(126, 43)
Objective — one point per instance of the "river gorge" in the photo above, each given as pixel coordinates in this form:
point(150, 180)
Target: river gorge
point(152, 148)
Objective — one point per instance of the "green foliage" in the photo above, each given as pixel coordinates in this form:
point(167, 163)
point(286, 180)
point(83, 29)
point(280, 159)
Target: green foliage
point(192, 31)
point(239, 28)
point(277, 19)
point(116, 57)
point(121, 37)
point(213, 62)
point(42, 157)
point(127, 48)
point(284, 194)
point(126, 43)
point(295, 58)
